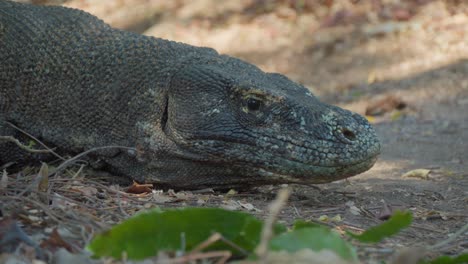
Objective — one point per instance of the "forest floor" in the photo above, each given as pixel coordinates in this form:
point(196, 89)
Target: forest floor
point(403, 64)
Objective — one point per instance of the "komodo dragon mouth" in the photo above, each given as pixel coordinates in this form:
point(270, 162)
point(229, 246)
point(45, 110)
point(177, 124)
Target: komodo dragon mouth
point(198, 118)
point(322, 174)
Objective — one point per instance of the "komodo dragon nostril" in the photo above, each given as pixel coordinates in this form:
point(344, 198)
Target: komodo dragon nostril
point(348, 134)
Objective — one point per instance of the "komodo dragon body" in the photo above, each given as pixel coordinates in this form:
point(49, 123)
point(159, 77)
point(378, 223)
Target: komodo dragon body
point(195, 118)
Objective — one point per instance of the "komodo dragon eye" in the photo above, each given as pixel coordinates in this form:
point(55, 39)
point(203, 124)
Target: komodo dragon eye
point(254, 104)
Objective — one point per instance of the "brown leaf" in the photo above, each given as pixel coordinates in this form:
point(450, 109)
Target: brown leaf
point(386, 212)
point(55, 242)
point(305, 256)
point(139, 188)
point(385, 105)
point(248, 206)
point(401, 14)
point(336, 18)
point(43, 175)
point(12, 237)
point(4, 181)
point(418, 173)
point(62, 256)
point(230, 205)
point(161, 198)
point(411, 255)
point(85, 190)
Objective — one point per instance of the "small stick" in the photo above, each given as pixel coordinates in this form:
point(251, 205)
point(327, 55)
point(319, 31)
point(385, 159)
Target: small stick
point(217, 237)
point(224, 255)
point(70, 160)
point(22, 146)
point(36, 139)
point(267, 231)
point(450, 239)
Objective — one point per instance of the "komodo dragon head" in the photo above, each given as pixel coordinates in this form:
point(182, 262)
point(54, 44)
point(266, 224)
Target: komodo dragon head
point(227, 123)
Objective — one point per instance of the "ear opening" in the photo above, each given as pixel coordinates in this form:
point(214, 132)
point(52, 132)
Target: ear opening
point(165, 114)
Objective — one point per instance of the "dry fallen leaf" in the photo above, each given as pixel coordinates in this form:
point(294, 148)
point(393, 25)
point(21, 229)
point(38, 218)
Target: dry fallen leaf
point(139, 188)
point(85, 190)
point(183, 196)
point(43, 175)
point(418, 173)
point(401, 14)
point(411, 255)
point(231, 192)
point(337, 218)
point(324, 218)
point(386, 211)
point(55, 242)
point(62, 256)
point(305, 256)
point(13, 238)
point(384, 105)
point(18, 259)
point(354, 210)
point(249, 206)
point(59, 201)
point(371, 119)
point(161, 198)
point(230, 205)
point(4, 181)
point(371, 77)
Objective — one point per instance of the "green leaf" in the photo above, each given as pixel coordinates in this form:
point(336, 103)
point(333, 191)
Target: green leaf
point(449, 260)
point(145, 234)
point(314, 238)
point(397, 222)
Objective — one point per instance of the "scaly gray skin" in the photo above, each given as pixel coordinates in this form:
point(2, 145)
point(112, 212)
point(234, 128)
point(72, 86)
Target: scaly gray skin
point(197, 119)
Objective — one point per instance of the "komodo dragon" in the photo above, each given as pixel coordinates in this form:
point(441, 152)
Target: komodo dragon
point(195, 118)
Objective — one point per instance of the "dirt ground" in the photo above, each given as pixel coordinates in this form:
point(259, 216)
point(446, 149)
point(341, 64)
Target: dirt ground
point(403, 64)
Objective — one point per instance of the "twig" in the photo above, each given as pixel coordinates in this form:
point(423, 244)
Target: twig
point(297, 211)
point(34, 183)
point(78, 172)
point(37, 140)
point(450, 239)
point(44, 207)
point(224, 255)
point(210, 241)
point(22, 146)
point(218, 237)
point(267, 231)
point(119, 199)
point(70, 160)
point(195, 253)
point(108, 189)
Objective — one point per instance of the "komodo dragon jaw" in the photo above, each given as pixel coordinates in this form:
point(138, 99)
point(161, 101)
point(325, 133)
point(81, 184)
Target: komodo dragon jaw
point(196, 118)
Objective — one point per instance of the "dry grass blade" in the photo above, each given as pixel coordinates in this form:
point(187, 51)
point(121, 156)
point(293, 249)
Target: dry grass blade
point(217, 237)
point(4, 181)
point(43, 175)
point(457, 234)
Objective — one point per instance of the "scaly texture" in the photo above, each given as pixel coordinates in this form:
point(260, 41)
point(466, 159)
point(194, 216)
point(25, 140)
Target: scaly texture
point(197, 119)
